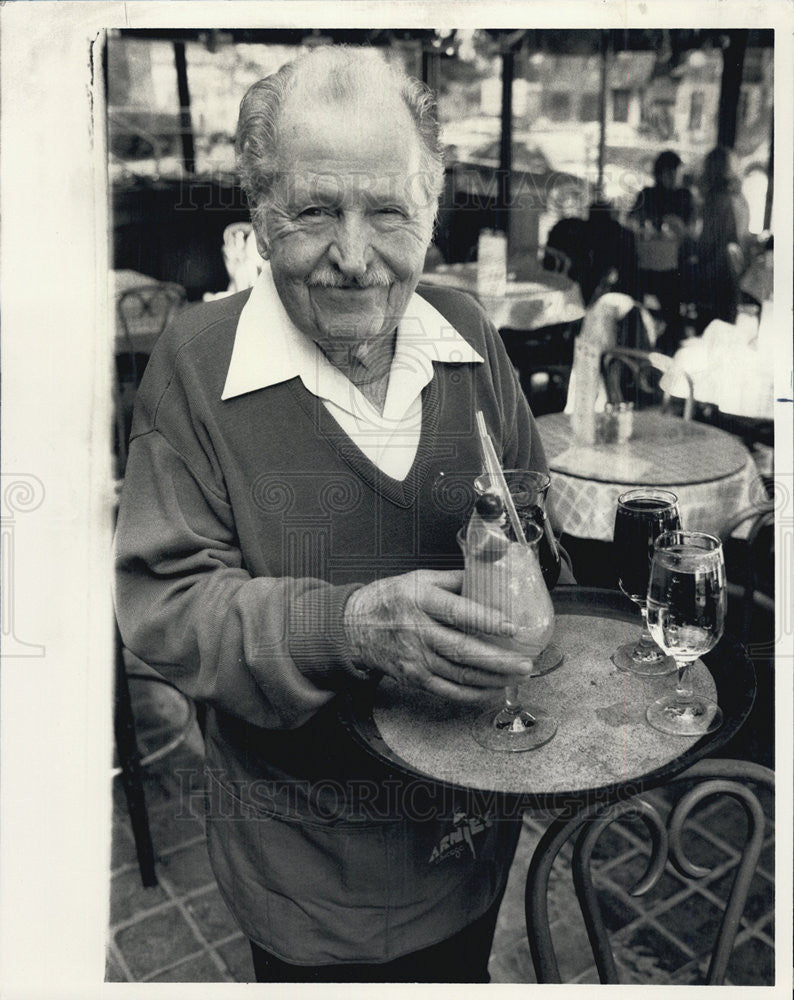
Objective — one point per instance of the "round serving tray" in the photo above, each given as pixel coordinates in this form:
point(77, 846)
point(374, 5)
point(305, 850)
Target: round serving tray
point(603, 749)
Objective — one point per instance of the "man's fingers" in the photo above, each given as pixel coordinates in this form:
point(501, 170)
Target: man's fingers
point(462, 650)
point(445, 579)
point(464, 614)
point(471, 677)
point(455, 692)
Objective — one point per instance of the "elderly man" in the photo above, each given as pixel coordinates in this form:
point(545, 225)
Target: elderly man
point(278, 541)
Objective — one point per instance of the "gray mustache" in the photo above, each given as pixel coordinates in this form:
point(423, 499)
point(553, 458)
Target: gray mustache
point(326, 277)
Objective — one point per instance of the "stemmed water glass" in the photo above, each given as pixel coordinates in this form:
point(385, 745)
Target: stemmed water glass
point(686, 616)
point(508, 577)
point(642, 516)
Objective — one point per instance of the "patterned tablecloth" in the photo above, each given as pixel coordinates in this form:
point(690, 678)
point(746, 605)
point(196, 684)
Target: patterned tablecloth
point(710, 471)
point(549, 299)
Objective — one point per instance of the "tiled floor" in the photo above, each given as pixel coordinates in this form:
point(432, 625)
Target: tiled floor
point(181, 931)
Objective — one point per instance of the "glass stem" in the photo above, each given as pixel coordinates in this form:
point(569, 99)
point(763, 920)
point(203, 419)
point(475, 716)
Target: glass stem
point(683, 689)
point(512, 704)
point(645, 643)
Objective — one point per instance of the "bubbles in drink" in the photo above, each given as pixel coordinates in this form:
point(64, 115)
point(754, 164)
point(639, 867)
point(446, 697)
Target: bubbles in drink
point(686, 601)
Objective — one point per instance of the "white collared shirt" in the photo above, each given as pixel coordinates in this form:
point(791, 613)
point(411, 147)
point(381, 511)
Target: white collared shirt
point(269, 348)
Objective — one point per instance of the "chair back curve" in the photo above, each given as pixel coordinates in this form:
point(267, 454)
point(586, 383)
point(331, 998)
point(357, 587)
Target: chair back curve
point(627, 370)
point(738, 779)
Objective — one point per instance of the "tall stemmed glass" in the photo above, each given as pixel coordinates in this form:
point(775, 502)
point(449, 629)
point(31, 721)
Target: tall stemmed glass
point(529, 488)
point(507, 576)
point(642, 516)
point(686, 616)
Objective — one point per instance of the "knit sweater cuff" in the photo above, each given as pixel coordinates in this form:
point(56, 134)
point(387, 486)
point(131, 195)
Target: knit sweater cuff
point(317, 639)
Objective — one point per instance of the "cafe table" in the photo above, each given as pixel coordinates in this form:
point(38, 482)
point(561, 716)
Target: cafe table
point(710, 471)
point(540, 299)
point(603, 752)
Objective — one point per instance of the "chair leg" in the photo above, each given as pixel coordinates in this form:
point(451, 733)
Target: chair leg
point(132, 781)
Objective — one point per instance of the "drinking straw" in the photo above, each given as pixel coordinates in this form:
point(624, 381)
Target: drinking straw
point(497, 476)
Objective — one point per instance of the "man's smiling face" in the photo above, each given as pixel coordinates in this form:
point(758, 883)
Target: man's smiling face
point(347, 225)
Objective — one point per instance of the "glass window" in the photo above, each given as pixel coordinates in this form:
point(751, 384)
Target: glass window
point(470, 100)
point(143, 101)
point(696, 102)
point(557, 105)
point(588, 107)
point(620, 105)
point(218, 78)
point(754, 133)
point(143, 108)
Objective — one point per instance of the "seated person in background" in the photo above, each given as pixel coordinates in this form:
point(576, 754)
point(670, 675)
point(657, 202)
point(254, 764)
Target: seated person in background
point(662, 216)
point(720, 251)
point(280, 541)
point(601, 252)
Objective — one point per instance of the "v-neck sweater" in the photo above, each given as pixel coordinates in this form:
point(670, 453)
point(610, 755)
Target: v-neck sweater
point(244, 526)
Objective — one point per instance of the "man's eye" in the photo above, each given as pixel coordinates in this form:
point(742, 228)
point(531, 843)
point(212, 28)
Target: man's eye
point(315, 211)
point(390, 210)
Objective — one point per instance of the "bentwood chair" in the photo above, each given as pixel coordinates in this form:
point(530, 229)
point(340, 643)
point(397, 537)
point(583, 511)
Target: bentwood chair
point(740, 781)
point(750, 567)
point(749, 546)
point(632, 375)
point(151, 718)
point(145, 731)
point(143, 313)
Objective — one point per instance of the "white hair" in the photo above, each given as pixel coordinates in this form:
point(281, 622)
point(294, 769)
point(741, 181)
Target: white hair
point(338, 73)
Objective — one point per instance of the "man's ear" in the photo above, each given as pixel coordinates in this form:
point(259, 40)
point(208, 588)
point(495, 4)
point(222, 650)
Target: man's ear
point(262, 244)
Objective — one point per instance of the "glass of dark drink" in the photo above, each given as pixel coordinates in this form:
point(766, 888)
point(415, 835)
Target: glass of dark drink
point(642, 516)
point(528, 491)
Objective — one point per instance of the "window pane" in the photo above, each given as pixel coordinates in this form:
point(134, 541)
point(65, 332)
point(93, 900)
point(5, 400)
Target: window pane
point(470, 114)
point(588, 107)
point(557, 105)
point(696, 102)
point(620, 105)
point(754, 131)
point(217, 80)
point(143, 108)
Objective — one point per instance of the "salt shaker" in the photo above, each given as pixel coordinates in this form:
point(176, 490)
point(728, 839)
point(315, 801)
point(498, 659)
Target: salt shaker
point(625, 422)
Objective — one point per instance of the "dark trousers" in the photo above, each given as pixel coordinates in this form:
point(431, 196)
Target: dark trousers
point(666, 286)
point(462, 958)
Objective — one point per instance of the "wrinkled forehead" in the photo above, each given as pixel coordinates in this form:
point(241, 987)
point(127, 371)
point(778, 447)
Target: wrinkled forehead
point(366, 150)
point(334, 186)
point(359, 130)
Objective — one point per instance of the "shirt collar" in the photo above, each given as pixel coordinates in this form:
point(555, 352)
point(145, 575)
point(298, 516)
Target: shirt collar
point(269, 348)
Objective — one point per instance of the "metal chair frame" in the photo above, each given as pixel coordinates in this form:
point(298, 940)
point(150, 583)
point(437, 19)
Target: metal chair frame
point(640, 364)
point(761, 516)
point(153, 305)
point(132, 762)
point(713, 777)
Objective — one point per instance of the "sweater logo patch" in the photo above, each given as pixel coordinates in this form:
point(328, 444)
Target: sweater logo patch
point(461, 838)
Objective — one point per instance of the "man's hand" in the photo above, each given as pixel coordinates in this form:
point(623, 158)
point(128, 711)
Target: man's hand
point(418, 629)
